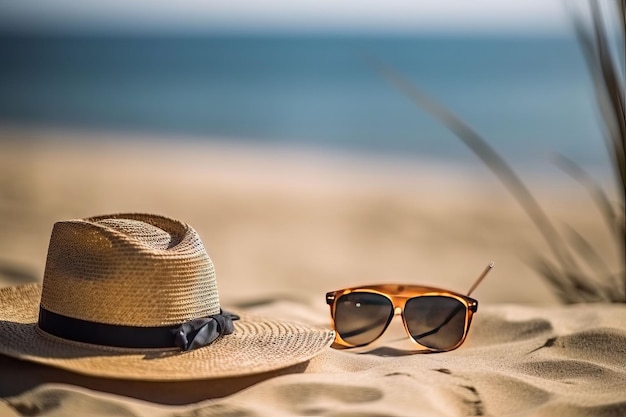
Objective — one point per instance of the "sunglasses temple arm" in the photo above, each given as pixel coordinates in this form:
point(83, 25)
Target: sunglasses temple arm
point(480, 278)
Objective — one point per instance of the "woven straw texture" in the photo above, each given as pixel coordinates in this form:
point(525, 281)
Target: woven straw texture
point(257, 345)
point(129, 269)
point(145, 271)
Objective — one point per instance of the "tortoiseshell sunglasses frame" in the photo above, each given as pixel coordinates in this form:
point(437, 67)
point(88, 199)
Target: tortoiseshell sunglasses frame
point(398, 295)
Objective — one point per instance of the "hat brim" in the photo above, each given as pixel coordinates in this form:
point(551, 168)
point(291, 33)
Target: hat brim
point(257, 345)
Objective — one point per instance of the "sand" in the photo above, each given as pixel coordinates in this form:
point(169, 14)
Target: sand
point(284, 226)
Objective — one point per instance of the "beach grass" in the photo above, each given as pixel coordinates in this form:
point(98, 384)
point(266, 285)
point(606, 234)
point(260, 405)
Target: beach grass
point(576, 272)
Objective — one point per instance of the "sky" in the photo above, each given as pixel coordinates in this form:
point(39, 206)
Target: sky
point(287, 15)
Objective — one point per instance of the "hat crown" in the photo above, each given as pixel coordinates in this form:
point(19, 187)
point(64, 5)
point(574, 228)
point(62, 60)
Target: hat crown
point(129, 269)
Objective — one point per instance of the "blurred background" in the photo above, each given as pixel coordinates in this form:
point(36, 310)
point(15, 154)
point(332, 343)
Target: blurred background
point(275, 72)
point(262, 125)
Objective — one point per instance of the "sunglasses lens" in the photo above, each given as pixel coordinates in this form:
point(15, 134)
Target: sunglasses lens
point(362, 317)
point(436, 322)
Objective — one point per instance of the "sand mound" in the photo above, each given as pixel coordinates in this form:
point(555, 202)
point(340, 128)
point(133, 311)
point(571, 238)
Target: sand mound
point(517, 361)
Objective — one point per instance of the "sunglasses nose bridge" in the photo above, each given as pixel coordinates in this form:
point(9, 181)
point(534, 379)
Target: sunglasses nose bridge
point(398, 304)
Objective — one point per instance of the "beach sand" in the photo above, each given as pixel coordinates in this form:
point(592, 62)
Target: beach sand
point(283, 227)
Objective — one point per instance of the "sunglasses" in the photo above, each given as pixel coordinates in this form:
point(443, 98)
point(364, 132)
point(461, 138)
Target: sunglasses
point(434, 318)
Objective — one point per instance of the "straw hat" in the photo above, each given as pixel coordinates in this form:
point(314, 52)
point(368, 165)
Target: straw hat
point(134, 296)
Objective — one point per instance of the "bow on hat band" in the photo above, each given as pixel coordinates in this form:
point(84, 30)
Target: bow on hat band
point(190, 335)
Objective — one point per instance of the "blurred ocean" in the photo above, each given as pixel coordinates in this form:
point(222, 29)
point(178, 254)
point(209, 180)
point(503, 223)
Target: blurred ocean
point(529, 96)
